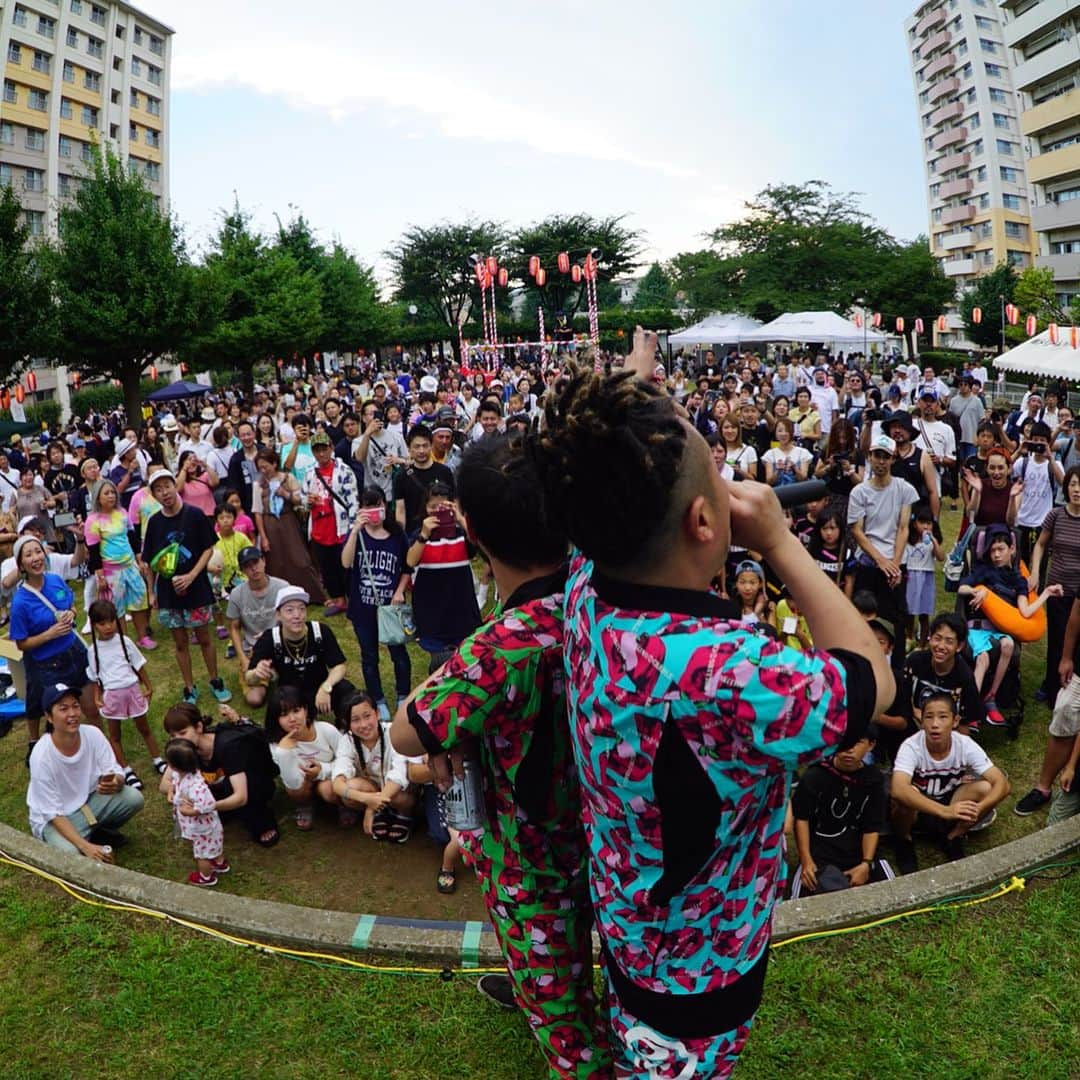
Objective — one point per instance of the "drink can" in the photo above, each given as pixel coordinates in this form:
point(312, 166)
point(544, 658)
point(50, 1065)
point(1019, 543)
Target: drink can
point(106, 849)
point(465, 799)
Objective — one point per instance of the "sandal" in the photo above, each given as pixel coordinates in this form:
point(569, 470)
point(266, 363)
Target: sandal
point(268, 838)
point(304, 817)
point(446, 882)
point(380, 826)
point(399, 828)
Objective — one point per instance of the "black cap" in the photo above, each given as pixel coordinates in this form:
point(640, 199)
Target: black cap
point(248, 555)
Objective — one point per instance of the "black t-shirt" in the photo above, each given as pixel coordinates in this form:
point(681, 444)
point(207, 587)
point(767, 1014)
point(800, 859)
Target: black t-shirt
point(412, 486)
point(920, 680)
point(839, 807)
point(192, 531)
point(60, 480)
point(306, 666)
point(241, 749)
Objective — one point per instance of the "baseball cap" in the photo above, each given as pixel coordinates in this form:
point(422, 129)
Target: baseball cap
point(749, 566)
point(320, 438)
point(928, 393)
point(54, 693)
point(445, 419)
point(25, 523)
point(161, 474)
point(248, 555)
point(885, 444)
point(290, 592)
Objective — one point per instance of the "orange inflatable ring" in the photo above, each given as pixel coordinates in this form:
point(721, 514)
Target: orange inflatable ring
point(1008, 619)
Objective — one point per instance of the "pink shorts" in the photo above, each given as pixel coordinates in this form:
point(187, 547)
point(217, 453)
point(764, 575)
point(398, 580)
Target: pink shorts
point(124, 704)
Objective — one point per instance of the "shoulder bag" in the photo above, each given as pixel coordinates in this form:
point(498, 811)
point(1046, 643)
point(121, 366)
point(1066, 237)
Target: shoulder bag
point(396, 625)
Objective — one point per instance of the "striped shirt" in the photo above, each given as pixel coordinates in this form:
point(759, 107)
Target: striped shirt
point(1063, 548)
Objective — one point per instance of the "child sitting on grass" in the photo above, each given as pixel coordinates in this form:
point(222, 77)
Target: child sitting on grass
point(194, 811)
point(839, 808)
point(943, 781)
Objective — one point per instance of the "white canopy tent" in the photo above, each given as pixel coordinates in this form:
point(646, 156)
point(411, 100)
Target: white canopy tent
point(1038, 356)
point(716, 329)
point(814, 326)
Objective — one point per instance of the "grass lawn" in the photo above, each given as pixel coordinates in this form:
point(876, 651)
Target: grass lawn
point(987, 991)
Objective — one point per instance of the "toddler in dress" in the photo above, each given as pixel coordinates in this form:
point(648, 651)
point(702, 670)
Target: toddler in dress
point(195, 811)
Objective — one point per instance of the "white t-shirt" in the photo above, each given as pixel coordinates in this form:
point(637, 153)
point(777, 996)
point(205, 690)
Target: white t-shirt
point(1037, 499)
point(322, 750)
point(58, 564)
point(938, 778)
point(826, 402)
point(394, 770)
point(115, 672)
point(942, 438)
point(744, 459)
point(797, 455)
point(59, 785)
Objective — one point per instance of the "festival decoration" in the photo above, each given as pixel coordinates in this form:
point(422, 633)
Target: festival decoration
point(541, 277)
point(5, 398)
point(492, 265)
point(575, 273)
point(504, 277)
point(857, 320)
point(1053, 329)
point(976, 315)
point(918, 326)
point(534, 265)
point(31, 381)
point(76, 380)
point(20, 393)
point(563, 262)
point(899, 324)
point(942, 323)
point(1012, 313)
point(876, 320)
point(1074, 336)
point(1031, 325)
point(153, 373)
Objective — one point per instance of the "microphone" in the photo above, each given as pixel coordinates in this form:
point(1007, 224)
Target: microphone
point(792, 495)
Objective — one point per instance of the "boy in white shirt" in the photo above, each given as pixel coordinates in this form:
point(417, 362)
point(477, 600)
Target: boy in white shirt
point(931, 782)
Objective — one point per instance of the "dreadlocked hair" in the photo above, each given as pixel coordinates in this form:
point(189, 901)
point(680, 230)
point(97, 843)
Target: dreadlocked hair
point(608, 460)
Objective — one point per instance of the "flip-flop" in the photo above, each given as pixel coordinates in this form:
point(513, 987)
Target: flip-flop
point(268, 838)
point(399, 828)
point(304, 818)
point(380, 826)
point(446, 882)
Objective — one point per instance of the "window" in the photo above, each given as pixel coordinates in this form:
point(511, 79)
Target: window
point(157, 46)
point(42, 62)
point(86, 152)
point(966, 71)
point(980, 174)
point(1010, 175)
point(976, 147)
point(962, 48)
point(73, 37)
point(34, 180)
point(1064, 196)
point(136, 66)
point(983, 23)
point(35, 222)
point(65, 109)
point(1001, 121)
point(114, 132)
point(133, 133)
point(19, 17)
point(986, 229)
point(134, 98)
point(46, 27)
point(1005, 147)
point(153, 74)
point(937, 214)
point(984, 202)
point(5, 175)
point(153, 171)
point(1065, 247)
point(89, 116)
point(970, 96)
point(14, 52)
point(1011, 202)
point(65, 146)
point(117, 63)
point(995, 71)
point(987, 45)
point(998, 96)
point(934, 189)
point(973, 122)
point(153, 138)
point(120, 32)
point(92, 81)
point(97, 15)
point(63, 185)
point(38, 100)
point(153, 105)
point(11, 95)
point(1015, 230)
point(69, 72)
point(7, 134)
point(138, 35)
point(114, 97)
point(76, 7)
point(1017, 258)
point(95, 47)
point(35, 139)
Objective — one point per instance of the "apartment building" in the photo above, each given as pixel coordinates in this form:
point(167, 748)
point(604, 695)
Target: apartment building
point(978, 194)
point(78, 72)
point(1043, 38)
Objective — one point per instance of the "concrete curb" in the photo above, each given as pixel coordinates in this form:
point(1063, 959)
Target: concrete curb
point(453, 944)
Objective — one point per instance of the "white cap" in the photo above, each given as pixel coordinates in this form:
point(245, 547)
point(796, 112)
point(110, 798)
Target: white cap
point(291, 592)
point(160, 475)
point(883, 442)
point(429, 384)
point(26, 522)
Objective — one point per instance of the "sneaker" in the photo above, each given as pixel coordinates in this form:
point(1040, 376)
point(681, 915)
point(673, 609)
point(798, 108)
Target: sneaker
point(907, 862)
point(160, 766)
point(1041, 695)
point(384, 712)
point(985, 821)
point(993, 714)
point(1032, 801)
point(220, 866)
point(222, 633)
point(131, 779)
point(230, 651)
point(954, 849)
point(85, 630)
point(217, 686)
point(497, 988)
point(147, 643)
point(191, 695)
point(196, 878)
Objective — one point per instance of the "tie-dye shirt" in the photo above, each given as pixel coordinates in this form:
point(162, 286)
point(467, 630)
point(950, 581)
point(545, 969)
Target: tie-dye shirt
point(687, 728)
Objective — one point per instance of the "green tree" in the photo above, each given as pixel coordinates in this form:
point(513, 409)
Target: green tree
point(988, 294)
point(124, 288)
point(910, 283)
point(618, 248)
point(26, 309)
point(655, 289)
point(352, 312)
point(707, 282)
point(266, 306)
point(432, 269)
point(1035, 294)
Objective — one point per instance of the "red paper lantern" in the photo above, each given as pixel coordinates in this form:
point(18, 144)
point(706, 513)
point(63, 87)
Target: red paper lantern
point(76, 380)
point(620, 332)
point(1012, 313)
point(899, 324)
point(1053, 328)
point(1031, 325)
point(492, 265)
point(153, 373)
point(918, 326)
point(31, 381)
point(280, 362)
point(534, 265)
point(857, 320)
point(504, 277)
point(20, 393)
point(184, 368)
point(575, 273)
point(876, 321)
point(976, 315)
point(485, 284)
point(397, 348)
point(5, 398)
point(563, 262)
point(480, 270)
point(942, 323)
point(590, 267)
point(1074, 336)
point(541, 277)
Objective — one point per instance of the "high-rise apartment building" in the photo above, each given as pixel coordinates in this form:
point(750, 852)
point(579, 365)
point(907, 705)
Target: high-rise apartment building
point(977, 184)
point(1044, 36)
point(78, 72)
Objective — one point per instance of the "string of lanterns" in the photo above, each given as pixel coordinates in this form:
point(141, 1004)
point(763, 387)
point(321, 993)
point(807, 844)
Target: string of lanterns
point(1012, 316)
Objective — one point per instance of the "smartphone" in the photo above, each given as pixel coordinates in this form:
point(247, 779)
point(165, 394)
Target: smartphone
point(63, 520)
point(447, 527)
point(790, 625)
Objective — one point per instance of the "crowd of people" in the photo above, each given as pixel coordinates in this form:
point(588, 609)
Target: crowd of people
point(393, 500)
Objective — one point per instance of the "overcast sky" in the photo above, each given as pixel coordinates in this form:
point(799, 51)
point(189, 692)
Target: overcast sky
point(373, 116)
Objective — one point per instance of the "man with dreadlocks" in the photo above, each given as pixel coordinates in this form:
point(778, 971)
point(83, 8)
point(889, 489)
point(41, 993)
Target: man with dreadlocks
point(504, 688)
point(686, 726)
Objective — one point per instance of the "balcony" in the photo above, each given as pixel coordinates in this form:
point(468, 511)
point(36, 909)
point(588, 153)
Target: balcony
point(952, 137)
point(953, 162)
point(955, 241)
point(938, 41)
point(1063, 215)
point(945, 62)
point(957, 214)
point(1061, 162)
point(956, 187)
point(1051, 114)
point(1059, 57)
point(960, 267)
point(1065, 267)
point(1038, 18)
point(953, 111)
point(928, 22)
point(942, 88)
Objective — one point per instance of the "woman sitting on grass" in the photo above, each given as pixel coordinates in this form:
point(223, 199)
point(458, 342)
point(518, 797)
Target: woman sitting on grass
point(304, 750)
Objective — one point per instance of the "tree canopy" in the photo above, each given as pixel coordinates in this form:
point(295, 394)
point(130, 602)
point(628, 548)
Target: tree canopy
point(26, 308)
point(988, 294)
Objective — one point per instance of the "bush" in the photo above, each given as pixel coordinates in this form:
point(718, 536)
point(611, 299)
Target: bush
point(100, 398)
point(939, 359)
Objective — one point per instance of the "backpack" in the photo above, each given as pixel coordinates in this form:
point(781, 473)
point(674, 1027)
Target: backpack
point(279, 648)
